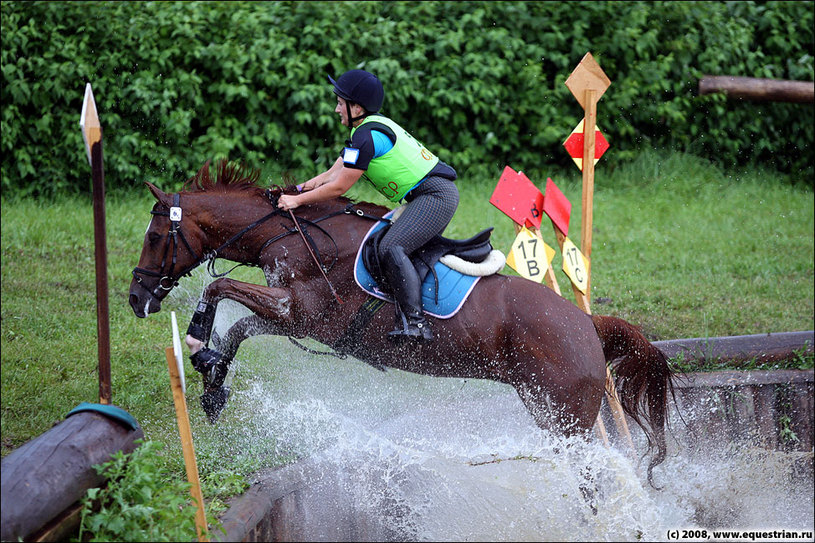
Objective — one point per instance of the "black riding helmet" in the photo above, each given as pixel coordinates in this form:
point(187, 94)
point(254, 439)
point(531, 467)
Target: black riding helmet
point(359, 87)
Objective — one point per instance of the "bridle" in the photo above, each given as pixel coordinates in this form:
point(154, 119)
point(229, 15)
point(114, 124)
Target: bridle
point(167, 281)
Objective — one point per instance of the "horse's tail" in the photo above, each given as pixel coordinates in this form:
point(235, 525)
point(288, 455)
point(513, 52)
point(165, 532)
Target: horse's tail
point(643, 379)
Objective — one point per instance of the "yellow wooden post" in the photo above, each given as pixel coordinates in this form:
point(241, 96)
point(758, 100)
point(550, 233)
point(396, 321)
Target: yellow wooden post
point(186, 444)
point(611, 390)
point(588, 83)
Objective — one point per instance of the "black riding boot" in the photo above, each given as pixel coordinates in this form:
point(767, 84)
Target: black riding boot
point(407, 291)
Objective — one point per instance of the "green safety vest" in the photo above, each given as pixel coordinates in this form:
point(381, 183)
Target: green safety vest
point(400, 169)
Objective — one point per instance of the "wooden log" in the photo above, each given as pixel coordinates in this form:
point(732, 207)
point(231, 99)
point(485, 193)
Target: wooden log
point(759, 90)
point(47, 476)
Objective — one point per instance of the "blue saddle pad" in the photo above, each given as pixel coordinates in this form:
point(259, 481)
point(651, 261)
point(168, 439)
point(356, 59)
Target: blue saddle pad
point(453, 289)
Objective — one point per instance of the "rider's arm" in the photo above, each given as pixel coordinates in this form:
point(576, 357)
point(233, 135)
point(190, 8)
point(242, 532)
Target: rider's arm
point(335, 186)
point(324, 177)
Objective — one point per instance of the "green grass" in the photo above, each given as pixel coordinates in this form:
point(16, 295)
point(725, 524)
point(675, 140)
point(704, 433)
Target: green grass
point(680, 248)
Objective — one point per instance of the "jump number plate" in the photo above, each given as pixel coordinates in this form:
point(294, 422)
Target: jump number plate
point(575, 265)
point(530, 256)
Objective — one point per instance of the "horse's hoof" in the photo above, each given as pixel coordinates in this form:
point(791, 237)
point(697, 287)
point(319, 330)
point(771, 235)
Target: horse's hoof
point(590, 496)
point(213, 400)
point(209, 362)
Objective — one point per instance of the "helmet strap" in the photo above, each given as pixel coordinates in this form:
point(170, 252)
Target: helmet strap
point(352, 120)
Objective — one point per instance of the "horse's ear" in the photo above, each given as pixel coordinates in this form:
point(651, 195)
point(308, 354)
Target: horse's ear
point(160, 195)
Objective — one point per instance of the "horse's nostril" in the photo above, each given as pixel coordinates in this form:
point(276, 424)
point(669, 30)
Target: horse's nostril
point(137, 305)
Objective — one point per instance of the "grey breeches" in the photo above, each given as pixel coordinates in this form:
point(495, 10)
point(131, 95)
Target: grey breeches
point(431, 207)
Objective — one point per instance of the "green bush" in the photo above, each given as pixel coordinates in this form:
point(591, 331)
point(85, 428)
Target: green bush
point(141, 502)
point(482, 83)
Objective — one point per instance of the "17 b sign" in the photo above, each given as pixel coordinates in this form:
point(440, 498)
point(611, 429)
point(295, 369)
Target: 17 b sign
point(530, 256)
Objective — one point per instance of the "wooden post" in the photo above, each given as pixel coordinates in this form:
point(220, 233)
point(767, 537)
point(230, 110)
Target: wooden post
point(588, 83)
point(102, 310)
point(186, 443)
point(44, 479)
point(600, 430)
point(589, 124)
point(611, 390)
point(551, 280)
point(92, 134)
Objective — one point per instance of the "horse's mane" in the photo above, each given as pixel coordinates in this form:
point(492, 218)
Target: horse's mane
point(238, 177)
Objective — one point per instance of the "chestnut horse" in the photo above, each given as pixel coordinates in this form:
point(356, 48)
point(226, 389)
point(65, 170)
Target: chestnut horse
point(510, 330)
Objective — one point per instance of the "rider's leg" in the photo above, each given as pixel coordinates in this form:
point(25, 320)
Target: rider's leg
point(430, 208)
point(407, 291)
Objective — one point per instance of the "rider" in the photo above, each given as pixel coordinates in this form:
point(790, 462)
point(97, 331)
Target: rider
point(400, 168)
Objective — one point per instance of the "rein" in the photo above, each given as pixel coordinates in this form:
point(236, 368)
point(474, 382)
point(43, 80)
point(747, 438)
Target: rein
point(316, 261)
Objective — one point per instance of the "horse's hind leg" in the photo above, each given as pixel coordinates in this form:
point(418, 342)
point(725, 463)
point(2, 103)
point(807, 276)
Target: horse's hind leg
point(565, 407)
point(548, 413)
point(563, 402)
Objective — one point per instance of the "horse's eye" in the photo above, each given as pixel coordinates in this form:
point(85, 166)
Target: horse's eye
point(153, 237)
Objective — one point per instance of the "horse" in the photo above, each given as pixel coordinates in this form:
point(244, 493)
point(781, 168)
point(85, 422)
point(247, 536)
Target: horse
point(554, 354)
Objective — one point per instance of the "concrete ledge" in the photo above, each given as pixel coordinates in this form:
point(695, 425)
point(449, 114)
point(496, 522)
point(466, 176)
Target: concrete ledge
point(770, 409)
point(282, 507)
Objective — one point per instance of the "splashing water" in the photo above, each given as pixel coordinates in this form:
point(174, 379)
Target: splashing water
point(432, 459)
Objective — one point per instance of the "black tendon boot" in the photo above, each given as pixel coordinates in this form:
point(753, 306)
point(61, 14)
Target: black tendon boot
point(404, 283)
point(214, 370)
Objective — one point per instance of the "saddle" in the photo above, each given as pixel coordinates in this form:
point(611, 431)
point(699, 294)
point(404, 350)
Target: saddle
point(475, 249)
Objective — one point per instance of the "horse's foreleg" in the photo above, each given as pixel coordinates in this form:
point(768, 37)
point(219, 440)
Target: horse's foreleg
point(271, 307)
point(215, 393)
point(268, 303)
point(243, 329)
point(225, 348)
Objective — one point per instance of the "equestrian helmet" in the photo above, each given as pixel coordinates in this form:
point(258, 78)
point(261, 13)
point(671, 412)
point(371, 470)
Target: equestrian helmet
point(360, 87)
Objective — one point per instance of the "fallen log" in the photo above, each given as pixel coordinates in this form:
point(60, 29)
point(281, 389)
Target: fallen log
point(44, 480)
point(758, 90)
